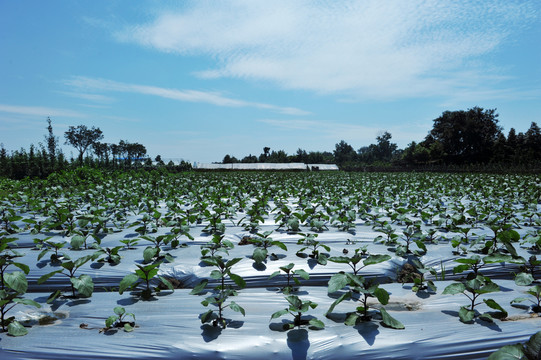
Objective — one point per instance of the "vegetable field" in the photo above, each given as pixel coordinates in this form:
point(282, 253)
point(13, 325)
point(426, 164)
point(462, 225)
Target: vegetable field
point(268, 265)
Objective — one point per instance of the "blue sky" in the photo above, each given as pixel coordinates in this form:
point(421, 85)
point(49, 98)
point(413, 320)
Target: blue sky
point(196, 80)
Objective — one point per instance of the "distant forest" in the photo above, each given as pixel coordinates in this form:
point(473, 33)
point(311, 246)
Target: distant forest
point(468, 140)
point(459, 140)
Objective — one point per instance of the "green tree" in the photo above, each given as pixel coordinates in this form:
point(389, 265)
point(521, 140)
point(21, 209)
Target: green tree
point(466, 136)
point(344, 154)
point(81, 138)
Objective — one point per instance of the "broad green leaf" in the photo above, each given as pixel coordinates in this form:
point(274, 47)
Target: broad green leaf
point(337, 282)
point(340, 259)
point(109, 322)
point(199, 288)
point(77, 242)
point(167, 283)
point(318, 324)
point(532, 348)
point(45, 277)
point(460, 268)
point(466, 315)
point(25, 268)
point(488, 288)
point(128, 328)
point(276, 273)
point(351, 319)
point(83, 284)
point(28, 302)
point(508, 352)
point(17, 281)
point(382, 295)
point(523, 279)
point(338, 301)
point(259, 255)
point(389, 320)
point(376, 259)
point(280, 244)
point(119, 310)
point(494, 305)
point(279, 313)
point(238, 280)
point(236, 307)
point(232, 262)
point(454, 288)
point(82, 260)
point(150, 253)
point(16, 329)
point(216, 274)
point(206, 316)
point(303, 274)
point(127, 282)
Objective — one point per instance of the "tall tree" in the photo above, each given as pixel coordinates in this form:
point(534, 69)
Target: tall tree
point(81, 138)
point(466, 136)
point(52, 142)
point(344, 153)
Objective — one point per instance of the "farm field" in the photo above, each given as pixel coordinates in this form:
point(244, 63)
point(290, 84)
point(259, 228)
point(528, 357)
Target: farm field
point(268, 265)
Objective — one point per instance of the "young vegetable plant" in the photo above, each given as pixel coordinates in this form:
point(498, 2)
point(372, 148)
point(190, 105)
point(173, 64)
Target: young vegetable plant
point(83, 284)
point(222, 292)
point(152, 253)
point(111, 255)
point(536, 293)
point(356, 260)
point(291, 274)
point(417, 277)
point(309, 241)
point(262, 244)
point(14, 285)
point(473, 288)
point(54, 247)
point(144, 275)
point(360, 289)
point(216, 245)
point(297, 308)
point(119, 320)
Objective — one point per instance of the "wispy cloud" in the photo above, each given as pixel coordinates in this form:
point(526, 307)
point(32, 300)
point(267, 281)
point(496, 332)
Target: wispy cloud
point(213, 98)
point(361, 49)
point(38, 111)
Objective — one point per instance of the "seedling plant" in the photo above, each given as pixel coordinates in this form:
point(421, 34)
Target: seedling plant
point(297, 308)
point(291, 275)
point(144, 275)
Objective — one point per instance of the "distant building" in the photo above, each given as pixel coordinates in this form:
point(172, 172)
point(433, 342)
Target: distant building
point(267, 166)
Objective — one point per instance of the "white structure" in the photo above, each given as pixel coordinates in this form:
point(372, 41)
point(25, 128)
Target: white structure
point(266, 166)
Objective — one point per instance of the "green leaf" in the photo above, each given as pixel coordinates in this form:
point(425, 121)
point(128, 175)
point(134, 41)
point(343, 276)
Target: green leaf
point(318, 324)
point(199, 288)
point(382, 295)
point(259, 255)
point(25, 268)
point(119, 310)
point(338, 301)
point(523, 279)
point(303, 274)
point(532, 348)
point(337, 282)
point(236, 307)
point(376, 259)
point(17, 281)
point(128, 328)
point(28, 302)
point(150, 253)
point(109, 322)
point(216, 274)
point(389, 320)
point(127, 282)
point(280, 244)
point(494, 305)
point(340, 259)
point(454, 288)
point(274, 274)
point(488, 288)
point(77, 242)
point(238, 280)
point(16, 329)
point(279, 313)
point(45, 277)
point(232, 262)
point(167, 283)
point(466, 315)
point(508, 352)
point(351, 319)
point(83, 284)
point(206, 316)
point(460, 268)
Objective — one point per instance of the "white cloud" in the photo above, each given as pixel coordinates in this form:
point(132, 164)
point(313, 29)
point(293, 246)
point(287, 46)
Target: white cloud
point(38, 111)
point(213, 98)
point(362, 49)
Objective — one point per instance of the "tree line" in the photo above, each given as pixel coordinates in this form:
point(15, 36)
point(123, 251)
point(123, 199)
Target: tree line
point(46, 158)
point(464, 139)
